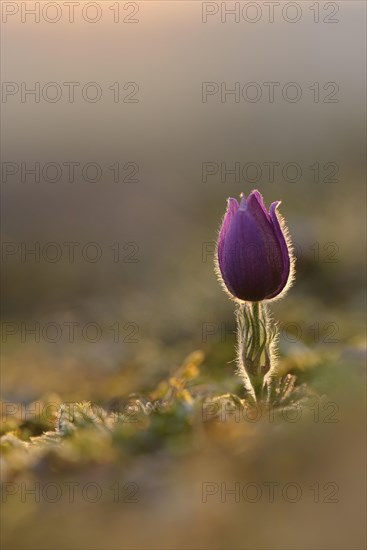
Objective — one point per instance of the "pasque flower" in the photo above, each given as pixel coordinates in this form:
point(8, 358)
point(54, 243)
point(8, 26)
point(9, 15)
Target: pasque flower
point(254, 259)
point(255, 264)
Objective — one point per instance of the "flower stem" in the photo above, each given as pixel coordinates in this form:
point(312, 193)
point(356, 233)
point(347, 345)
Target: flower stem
point(256, 339)
point(256, 324)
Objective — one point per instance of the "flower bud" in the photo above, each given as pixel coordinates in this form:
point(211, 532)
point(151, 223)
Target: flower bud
point(253, 255)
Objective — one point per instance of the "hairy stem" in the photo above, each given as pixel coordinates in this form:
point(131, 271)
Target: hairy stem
point(256, 339)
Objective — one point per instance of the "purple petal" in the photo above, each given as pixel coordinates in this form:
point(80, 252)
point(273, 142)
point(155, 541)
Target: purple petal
point(243, 203)
point(256, 207)
point(283, 247)
point(250, 254)
point(260, 201)
point(232, 207)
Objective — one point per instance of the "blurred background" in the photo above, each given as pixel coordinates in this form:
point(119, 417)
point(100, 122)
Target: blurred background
point(122, 211)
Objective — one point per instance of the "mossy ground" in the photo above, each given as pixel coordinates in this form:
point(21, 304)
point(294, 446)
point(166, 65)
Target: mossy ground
point(151, 470)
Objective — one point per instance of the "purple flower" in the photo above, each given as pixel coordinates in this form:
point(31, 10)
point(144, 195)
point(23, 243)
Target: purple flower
point(253, 256)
